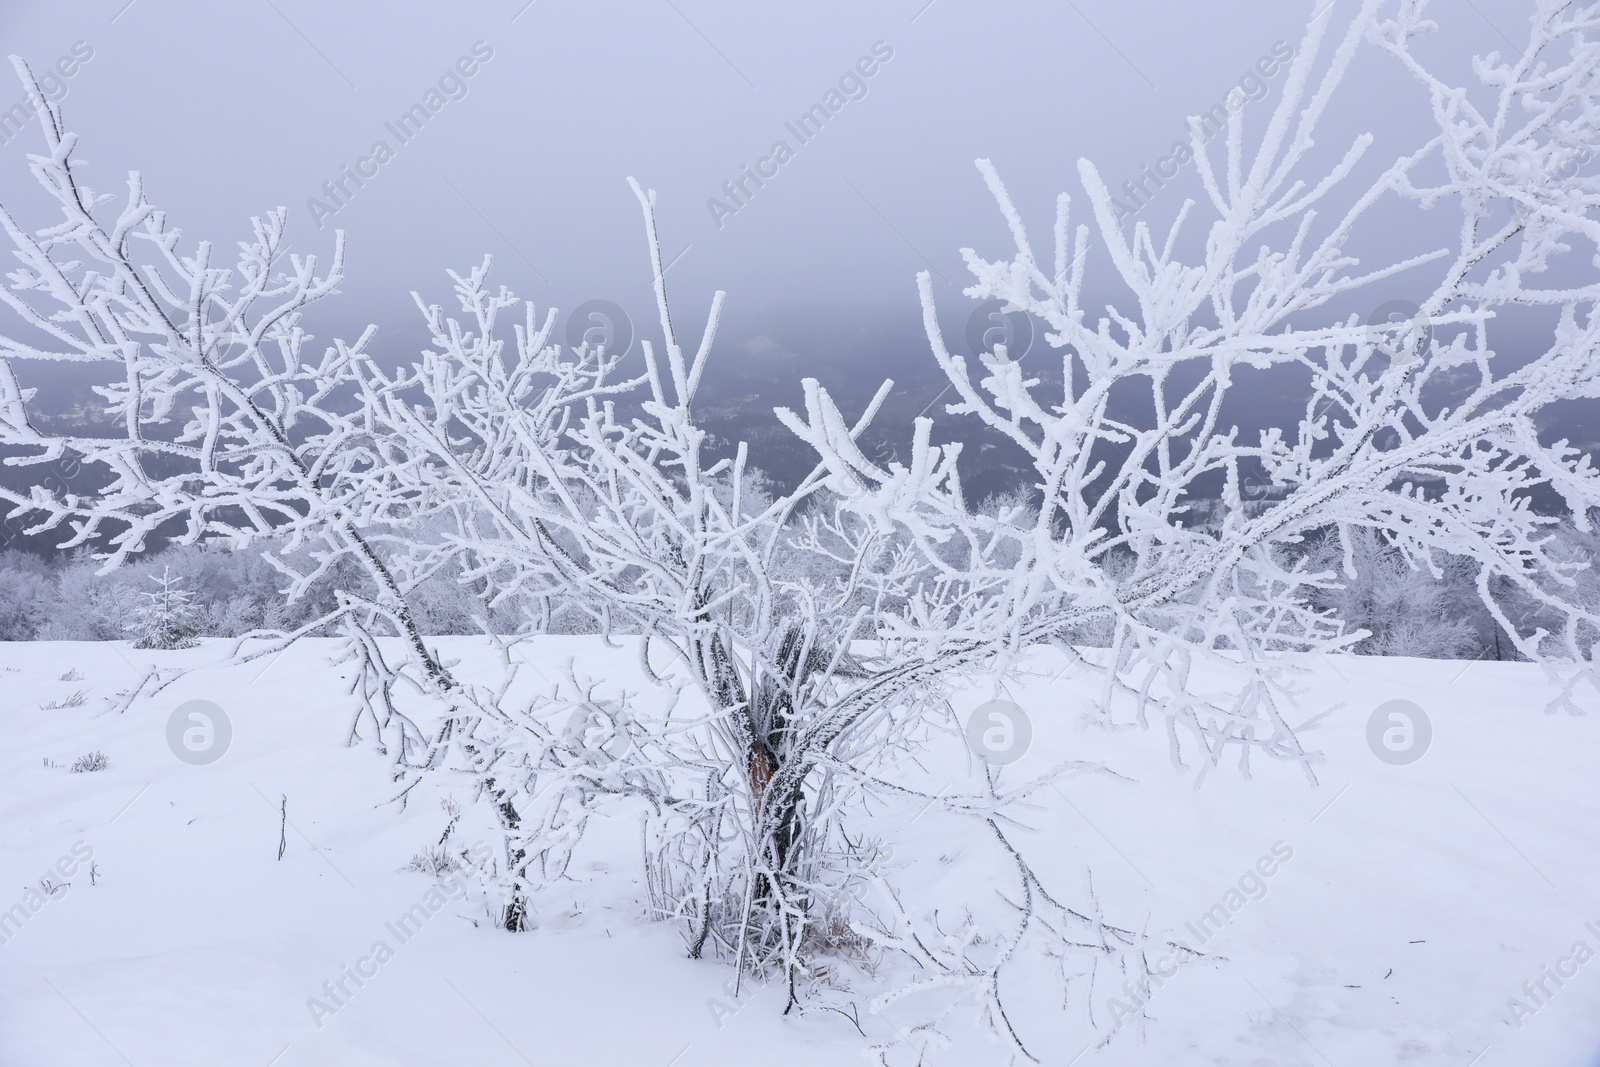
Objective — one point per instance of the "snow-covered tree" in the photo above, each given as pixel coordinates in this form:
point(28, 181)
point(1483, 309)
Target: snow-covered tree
point(1403, 609)
point(167, 619)
point(25, 596)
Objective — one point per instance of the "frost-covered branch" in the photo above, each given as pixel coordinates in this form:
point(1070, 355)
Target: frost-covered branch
point(1419, 429)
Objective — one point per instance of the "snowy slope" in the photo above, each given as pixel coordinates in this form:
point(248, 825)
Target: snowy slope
point(1415, 900)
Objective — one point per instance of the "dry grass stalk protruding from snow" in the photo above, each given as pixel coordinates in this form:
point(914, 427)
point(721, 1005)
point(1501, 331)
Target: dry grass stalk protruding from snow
point(90, 762)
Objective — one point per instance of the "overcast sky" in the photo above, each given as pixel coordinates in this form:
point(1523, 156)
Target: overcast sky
point(229, 109)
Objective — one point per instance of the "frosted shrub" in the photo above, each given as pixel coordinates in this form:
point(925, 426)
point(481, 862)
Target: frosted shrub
point(537, 480)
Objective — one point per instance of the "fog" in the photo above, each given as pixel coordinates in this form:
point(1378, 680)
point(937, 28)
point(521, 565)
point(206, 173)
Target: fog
point(230, 109)
point(809, 159)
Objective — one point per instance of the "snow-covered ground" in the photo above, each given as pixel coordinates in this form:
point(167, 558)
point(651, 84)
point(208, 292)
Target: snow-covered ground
point(1413, 903)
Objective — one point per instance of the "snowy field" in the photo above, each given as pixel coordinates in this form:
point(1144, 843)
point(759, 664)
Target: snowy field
point(1404, 905)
